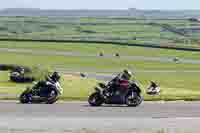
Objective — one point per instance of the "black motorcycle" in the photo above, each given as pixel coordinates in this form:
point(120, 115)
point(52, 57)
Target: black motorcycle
point(129, 96)
point(40, 93)
point(20, 78)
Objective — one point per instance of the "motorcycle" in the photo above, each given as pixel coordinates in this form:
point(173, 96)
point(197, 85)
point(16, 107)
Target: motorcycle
point(20, 78)
point(128, 95)
point(153, 89)
point(45, 93)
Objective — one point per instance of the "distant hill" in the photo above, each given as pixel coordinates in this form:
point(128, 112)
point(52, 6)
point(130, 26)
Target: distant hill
point(63, 13)
point(132, 12)
point(170, 14)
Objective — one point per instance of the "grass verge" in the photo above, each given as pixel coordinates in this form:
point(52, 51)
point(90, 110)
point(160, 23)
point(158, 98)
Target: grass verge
point(95, 48)
point(92, 63)
point(77, 88)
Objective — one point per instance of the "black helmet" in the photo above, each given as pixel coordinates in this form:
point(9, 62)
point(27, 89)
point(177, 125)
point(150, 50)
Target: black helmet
point(127, 74)
point(55, 76)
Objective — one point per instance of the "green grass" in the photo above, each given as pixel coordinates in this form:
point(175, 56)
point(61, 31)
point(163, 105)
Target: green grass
point(62, 28)
point(74, 87)
point(174, 86)
point(92, 63)
point(10, 88)
point(96, 48)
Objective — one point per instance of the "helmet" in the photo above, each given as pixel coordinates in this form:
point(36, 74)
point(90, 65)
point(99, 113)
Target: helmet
point(55, 76)
point(127, 74)
point(22, 71)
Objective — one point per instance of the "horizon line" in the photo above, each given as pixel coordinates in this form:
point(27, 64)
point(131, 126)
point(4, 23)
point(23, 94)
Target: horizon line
point(31, 8)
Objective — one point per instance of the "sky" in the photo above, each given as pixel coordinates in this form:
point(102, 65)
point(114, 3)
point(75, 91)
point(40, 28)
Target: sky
point(102, 4)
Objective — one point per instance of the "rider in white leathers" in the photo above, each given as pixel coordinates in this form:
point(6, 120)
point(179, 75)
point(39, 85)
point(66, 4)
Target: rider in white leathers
point(54, 81)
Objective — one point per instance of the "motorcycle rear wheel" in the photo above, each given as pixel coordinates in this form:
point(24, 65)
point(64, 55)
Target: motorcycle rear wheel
point(133, 100)
point(24, 98)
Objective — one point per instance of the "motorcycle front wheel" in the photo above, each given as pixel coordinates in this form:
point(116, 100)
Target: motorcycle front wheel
point(95, 99)
point(53, 97)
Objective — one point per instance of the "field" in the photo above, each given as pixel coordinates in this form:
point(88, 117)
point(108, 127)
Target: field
point(95, 48)
point(178, 80)
point(179, 33)
point(175, 85)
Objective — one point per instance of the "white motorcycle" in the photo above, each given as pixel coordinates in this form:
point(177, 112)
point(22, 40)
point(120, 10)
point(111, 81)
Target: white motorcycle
point(153, 89)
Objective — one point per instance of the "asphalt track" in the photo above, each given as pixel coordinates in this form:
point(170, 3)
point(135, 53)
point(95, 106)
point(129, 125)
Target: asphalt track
point(78, 117)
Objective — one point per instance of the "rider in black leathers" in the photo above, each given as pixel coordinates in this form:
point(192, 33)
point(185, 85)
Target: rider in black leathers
point(114, 84)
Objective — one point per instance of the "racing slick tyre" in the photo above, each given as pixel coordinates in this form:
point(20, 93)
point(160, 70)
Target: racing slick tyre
point(25, 98)
point(53, 97)
point(95, 99)
point(133, 99)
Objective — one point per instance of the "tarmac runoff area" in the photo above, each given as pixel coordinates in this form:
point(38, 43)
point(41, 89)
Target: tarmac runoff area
point(79, 117)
